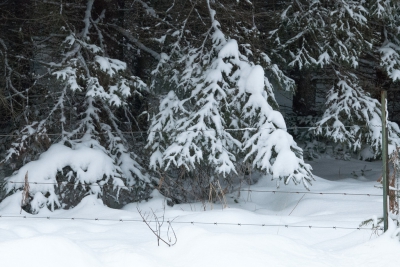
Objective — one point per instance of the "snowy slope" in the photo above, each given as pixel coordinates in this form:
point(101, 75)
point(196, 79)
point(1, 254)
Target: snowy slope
point(56, 242)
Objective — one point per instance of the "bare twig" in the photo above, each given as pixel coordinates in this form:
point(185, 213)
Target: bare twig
point(158, 225)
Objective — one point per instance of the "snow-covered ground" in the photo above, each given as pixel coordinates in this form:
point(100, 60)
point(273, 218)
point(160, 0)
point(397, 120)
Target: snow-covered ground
point(55, 242)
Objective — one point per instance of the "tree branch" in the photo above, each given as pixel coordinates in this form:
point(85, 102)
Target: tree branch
point(134, 40)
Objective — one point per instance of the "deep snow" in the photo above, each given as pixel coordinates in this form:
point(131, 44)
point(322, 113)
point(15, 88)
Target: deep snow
point(51, 242)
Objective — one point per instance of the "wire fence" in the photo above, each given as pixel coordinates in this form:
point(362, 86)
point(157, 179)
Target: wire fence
point(33, 217)
point(215, 223)
point(191, 222)
point(96, 219)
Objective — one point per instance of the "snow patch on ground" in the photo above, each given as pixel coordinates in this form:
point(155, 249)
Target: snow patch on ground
point(46, 251)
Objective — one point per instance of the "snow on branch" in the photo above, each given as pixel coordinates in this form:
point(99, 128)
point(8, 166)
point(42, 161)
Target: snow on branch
point(390, 59)
point(315, 33)
point(110, 66)
point(270, 148)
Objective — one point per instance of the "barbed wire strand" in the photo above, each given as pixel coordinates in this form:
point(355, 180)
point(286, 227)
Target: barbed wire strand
point(192, 222)
point(242, 190)
point(210, 130)
point(312, 193)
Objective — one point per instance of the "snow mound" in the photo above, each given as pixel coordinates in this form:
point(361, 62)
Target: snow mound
point(45, 251)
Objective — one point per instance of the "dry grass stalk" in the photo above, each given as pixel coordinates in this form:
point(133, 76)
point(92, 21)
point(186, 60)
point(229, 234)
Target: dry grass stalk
point(393, 182)
point(394, 160)
point(217, 191)
point(25, 193)
point(160, 182)
point(222, 193)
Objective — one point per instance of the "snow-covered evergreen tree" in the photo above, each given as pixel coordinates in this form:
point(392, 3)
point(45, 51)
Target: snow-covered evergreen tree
point(337, 35)
point(91, 154)
point(384, 20)
point(220, 114)
point(353, 117)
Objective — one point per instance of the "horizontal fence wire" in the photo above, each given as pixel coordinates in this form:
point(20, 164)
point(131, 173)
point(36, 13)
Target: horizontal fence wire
point(311, 192)
point(241, 190)
point(192, 222)
point(210, 130)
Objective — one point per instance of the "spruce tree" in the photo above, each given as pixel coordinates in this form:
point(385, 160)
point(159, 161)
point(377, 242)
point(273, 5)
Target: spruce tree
point(220, 114)
point(85, 151)
point(336, 36)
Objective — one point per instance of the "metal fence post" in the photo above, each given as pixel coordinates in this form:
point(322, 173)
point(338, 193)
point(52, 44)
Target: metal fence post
point(385, 169)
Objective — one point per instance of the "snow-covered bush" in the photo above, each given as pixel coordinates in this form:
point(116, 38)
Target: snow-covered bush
point(220, 115)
